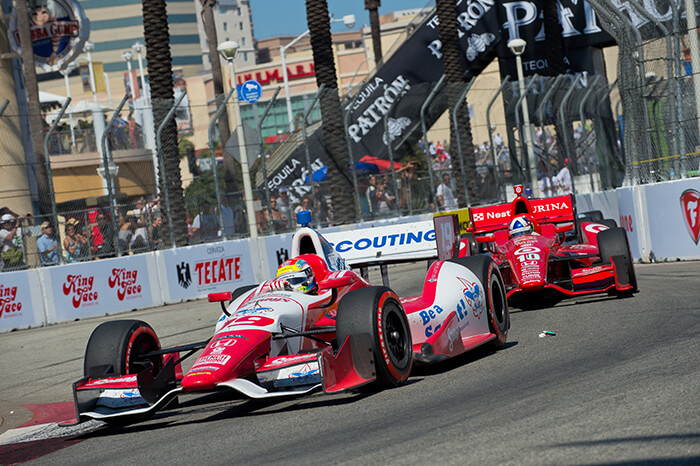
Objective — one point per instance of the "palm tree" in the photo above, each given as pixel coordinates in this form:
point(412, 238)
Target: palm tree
point(160, 72)
point(447, 15)
point(372, 6)
point(331, 114)
point(33, 108)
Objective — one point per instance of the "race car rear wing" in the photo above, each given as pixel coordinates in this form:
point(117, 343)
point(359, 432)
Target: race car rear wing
point(555, 210)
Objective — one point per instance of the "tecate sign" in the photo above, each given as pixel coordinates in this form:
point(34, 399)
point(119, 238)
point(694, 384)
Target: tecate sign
point(58, 29)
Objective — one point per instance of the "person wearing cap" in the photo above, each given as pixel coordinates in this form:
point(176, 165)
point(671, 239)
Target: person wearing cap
point(47, 246)
point(564, 178)
point(75, 244)
point(11, 240)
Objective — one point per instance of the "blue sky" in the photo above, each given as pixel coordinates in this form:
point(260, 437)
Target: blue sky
point(288, 17)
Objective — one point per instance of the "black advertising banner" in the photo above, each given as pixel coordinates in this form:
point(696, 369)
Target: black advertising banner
point(408, 76)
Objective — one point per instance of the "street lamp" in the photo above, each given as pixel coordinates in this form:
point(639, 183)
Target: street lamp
point(88, 47)
point(228, 51)
point(138, 48)
point(127, 55)
point(517, 46)
point(348, 20)
point(66, 73)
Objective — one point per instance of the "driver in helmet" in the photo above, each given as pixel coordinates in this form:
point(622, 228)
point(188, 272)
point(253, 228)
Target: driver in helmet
point(295, 275)
point(521, 225)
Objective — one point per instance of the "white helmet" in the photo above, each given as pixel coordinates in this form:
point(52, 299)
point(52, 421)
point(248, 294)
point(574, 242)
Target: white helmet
point(520, 225)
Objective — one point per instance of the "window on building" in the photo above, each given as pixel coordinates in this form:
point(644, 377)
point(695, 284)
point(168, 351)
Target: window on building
point(241, 23)
point(242, 40)
point(225, 26)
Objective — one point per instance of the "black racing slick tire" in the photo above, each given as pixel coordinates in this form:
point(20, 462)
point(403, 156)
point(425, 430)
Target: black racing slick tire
point(241, 290)
point(613, 243)
point(378, 312)
point(490, 277)
point(118, 347)
point(609, 222)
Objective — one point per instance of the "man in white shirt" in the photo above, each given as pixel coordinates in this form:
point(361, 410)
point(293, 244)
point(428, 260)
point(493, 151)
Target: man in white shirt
point(564, 178)
point(444, 194)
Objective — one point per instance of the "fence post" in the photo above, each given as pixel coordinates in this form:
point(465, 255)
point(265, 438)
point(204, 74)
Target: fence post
point(161, 164)
point(346, 123)
point(306, 147)
point(582, 116)
point(523, 148)
point(263, 162)
point(389, 144)
point(504, 83)
point(49, 175)
point(562, 119)
point(424, 130)
point(212, 154)
point(459, 103)
point(107, 161)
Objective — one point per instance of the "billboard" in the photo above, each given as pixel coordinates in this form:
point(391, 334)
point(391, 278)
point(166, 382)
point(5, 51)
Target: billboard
point(58, 29)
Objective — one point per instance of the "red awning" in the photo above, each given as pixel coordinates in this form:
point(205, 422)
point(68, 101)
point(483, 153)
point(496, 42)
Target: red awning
point(381, 163)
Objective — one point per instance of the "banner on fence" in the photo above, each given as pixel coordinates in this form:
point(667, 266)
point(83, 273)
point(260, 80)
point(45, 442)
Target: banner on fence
point(195, 271)
point(101, 287)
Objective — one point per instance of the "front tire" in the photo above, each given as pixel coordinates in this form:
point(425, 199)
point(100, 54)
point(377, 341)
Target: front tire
point(490, 277)
point(378, 312)
point(118, 347)
point(613, 242)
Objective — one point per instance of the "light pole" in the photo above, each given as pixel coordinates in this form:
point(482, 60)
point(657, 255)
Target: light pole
point(348, 20)
point(138, 48)
point(517, 46)
point(89, 47)
point(66, 72)
point(228, 50)
point(127, 55)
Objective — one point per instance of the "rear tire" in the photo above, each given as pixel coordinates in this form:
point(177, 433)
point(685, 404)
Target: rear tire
point(117, 347)
point(378, 312)
point(613, 242)
point(490, 277)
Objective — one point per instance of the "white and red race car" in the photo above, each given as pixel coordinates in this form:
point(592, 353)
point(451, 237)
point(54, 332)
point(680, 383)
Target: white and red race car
point(270, 342)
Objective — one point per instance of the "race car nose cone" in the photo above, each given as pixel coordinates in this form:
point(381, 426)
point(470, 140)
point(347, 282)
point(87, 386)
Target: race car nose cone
point(198, 381)
point(533, 285)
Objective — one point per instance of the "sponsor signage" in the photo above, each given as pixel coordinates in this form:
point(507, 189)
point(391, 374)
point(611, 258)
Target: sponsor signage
point(16, 309)
point(690, 209)
point(58, 28)
point(196, 271)
point(100, 287)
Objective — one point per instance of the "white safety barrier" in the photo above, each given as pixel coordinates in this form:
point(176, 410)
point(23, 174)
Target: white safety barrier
point(662, 221)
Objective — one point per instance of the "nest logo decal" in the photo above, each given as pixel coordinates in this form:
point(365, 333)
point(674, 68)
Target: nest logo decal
point(124, 281)
point(9, 306)
point(690, 206)
point(80, 287)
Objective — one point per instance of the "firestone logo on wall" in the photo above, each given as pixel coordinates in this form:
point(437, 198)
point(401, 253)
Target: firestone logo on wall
point(80, 287)
point(124, 281)
point(690, 206)
point(9, 306)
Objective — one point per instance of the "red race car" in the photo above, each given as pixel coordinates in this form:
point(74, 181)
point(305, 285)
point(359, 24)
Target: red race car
point(544, 249)
point(316, 326)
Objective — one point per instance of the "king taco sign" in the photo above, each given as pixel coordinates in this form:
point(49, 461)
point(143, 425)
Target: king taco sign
point(58, 30)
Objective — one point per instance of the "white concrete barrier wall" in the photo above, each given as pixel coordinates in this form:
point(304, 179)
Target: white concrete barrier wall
point(662, 221)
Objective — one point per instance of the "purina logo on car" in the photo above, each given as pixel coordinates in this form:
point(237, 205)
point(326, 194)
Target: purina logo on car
point(690, 205)
point(184, 275)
